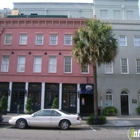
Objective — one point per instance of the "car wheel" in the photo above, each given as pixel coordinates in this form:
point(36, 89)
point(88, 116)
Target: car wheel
point(64, 124)
point(21, 124)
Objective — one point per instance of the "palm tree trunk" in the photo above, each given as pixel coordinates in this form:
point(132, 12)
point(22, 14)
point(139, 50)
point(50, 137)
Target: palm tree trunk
point(95, 95)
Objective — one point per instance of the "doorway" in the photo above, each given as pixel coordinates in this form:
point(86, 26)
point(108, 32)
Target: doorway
point(124, 103)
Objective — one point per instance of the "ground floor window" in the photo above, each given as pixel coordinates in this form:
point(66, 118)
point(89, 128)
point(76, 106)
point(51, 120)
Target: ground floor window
point(108, 99)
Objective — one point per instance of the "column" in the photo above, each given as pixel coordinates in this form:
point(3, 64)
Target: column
point(9, 97)
point(26, 95)
point(60, 96)
point(78, 98)
point(42, 95)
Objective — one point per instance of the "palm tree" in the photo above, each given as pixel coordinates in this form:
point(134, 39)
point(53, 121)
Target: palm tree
point(94, 44)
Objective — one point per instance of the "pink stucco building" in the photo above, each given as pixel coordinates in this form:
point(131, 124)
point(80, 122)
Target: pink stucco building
point(36, 62)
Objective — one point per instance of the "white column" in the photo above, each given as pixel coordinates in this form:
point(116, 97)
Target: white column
point(42, 95)
point(78, 98)
point(60, 96)
point(9, 96)
point(25, 99)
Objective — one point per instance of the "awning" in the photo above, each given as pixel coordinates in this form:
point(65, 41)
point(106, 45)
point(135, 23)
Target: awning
point(86, 89)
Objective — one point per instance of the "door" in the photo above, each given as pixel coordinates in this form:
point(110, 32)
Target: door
point(124, 105)
point(86, 103)
point(17, 99)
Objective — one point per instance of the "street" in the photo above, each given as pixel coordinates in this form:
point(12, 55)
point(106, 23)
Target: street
point(8, 132)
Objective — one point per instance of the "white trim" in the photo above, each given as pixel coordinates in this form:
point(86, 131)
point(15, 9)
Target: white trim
point(25, 98)
point(10, 96)
point(60, 96)
point(42, 95)
point(78, 99)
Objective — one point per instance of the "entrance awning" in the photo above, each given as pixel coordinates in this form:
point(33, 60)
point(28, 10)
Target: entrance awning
point(86, 89)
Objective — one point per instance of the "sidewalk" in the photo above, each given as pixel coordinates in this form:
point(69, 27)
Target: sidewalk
point(113, 121)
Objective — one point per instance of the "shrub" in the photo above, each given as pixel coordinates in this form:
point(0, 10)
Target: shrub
point(90, 119)
point(29, 106)
point(138, 110)
point(110, 111)
point(3, 103)
point(55, 103)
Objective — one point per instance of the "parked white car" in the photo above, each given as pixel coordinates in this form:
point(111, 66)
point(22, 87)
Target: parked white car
point(46, 118)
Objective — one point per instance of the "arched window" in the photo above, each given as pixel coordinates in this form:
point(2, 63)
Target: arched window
point(139, 98)
point(108, 99)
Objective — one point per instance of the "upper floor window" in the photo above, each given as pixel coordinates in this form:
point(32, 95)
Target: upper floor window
point(103, 14)
point(109, 68)
point(85, 69)
point(53, 39)
point(129, 15)
point(124, 66)
point(52, 64)
point(37, 63)
point(117, 14)
point(8, 39)
point(39, 39)
point(23, 39)
point(138, 66)
point(67, 39)
point(5, 64)
point(136, 41)
point(122, 40)
point(21, 64)
point(68, 64)
point(109, 101)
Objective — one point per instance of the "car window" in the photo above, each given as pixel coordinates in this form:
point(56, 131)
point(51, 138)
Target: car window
point(43, 113)
point(55, 113)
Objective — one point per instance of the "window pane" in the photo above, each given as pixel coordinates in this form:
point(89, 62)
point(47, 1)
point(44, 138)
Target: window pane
point(23, 39)
point(8, 39)
point(124, 66)
point(39, 39)
point(138, 65)
point(136, 41)
point(68, 64)
point(21, 64)
point(68, 39)
point(122, 41)
point(52, 64)
point(5, 64)
point(85, 69)
point(109, 68)
point(53, 39)
point(37, 63)
point(109, 99)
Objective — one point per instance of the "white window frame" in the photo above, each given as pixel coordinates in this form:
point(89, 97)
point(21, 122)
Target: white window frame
point(53, 39)
point(5, 65)
point(23, 41)
point(67, 64)
point(68, 37)
point(39, 41)
point(108, 67)
point(108, 101)
point(127, 66)
point(124, 42)
point(137, 42)
point(83, 70)
point(37, 66)
point(8, 41)
point(137, 66)
point(21, 65)
point(52, 65)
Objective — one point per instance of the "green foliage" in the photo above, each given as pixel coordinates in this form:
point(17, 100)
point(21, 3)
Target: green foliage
point(55, 103)
point(29, 106)
point(138, 110)
point(110, 111)
point(3, 103)
point(101, 119)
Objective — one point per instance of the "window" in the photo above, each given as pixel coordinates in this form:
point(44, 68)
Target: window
point(136, 41)
point(129, 15)
point(39, 39)
point(124, 66)
point(53, 39)
point(55, 113)
point(37, 63)
point(103, 14)
point(67, 64)
point(117, 14)
point(67, 39)
point(139, 99)
point(85, 69)
point(108, 99)
point(122, 40)
point(8, 39)
point(21, 64)
point(23, 39)
point(138, 65)
point(43, 113)
point(5, 64)
point(52, 64)
point(109, 68)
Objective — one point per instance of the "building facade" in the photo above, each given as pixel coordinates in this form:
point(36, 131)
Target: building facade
point(36, 62)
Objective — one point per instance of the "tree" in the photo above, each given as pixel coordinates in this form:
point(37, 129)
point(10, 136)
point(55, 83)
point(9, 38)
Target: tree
point(3, 104)
point(55, 103)
point(29, 106)
point(94, 44)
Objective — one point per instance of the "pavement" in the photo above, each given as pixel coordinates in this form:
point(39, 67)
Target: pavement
point(112, 121)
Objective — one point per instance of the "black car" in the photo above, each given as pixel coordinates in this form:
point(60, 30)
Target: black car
point(1, 115)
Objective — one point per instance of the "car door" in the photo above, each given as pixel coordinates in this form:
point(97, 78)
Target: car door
point(41, 118)
point(55, 118)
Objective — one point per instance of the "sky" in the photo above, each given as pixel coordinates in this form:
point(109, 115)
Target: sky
point(9, 3)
